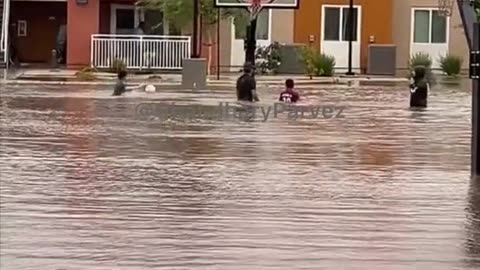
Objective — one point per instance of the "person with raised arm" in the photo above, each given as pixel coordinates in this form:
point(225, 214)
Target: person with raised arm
point(120, 85)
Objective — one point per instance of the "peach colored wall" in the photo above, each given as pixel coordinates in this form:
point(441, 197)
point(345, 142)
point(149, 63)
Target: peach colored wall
point(458, 45)
point(402, 31)
point(83, 21)
point(282, 25)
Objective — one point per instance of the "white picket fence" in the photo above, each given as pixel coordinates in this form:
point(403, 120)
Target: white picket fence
point(140, 51)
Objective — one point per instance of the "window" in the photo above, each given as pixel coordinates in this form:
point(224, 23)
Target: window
point(154, 22)
point(346, 24)
point(263, 26)
point(336, 25)
point(332, 24)
point(429, 26)
point(157, 24)
point(125, 18)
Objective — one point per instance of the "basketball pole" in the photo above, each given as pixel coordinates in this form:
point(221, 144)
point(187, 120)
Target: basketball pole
point(251, 42)
point(474, 72)
point(471, 27)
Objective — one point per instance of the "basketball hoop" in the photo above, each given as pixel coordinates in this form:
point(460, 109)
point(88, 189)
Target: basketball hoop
point(256, 6)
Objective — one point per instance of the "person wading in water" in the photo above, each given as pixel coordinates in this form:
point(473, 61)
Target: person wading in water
point(419, 88)
point(289, 95)
point(121, 87)
point(246, 85)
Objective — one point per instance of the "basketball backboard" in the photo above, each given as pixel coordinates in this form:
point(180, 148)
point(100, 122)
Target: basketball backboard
point(292, 4)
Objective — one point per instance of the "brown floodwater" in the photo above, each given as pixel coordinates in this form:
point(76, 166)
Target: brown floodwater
point(89, 183)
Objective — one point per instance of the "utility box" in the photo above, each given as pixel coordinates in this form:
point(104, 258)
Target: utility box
point(382, 59)
point(290, 59)
point(194, 73)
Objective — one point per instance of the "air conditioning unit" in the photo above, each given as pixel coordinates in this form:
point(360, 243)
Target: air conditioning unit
point(382, 59)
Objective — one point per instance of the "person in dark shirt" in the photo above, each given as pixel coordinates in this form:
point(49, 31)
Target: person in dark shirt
point(246, 85)
point(289, 95)
point(419, 88)
point(120, 86)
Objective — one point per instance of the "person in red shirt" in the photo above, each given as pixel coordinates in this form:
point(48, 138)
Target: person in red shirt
point(289, 95)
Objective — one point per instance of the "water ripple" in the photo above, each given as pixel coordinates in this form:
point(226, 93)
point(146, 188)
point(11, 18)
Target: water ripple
point(86, 183)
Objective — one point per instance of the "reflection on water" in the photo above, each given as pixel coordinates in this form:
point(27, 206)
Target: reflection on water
point(88, 184)
point(473, 224)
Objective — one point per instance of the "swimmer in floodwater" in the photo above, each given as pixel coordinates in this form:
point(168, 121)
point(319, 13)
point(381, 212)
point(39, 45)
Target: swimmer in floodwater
point(121, 87)
point(419, 88)
point(289, 95)
point(246, 85)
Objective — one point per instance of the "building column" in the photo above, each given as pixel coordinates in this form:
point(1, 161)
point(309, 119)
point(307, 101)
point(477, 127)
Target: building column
point(82, 22)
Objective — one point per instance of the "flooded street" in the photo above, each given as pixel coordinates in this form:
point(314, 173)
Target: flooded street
point(88, 183)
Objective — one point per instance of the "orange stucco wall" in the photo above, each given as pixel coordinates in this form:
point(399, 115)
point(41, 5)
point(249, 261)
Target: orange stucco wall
point(83, 21)
point(376, 21)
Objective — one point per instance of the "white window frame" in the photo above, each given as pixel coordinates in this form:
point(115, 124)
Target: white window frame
point(340, 29)
point(430, 26)
point(113, 15)
point(139, 17)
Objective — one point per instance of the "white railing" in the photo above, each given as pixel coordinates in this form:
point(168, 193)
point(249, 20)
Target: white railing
point(140, 51)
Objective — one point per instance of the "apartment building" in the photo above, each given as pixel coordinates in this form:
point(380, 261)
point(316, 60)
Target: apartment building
point(411, 25)
point(40, 22)
point(418, 27)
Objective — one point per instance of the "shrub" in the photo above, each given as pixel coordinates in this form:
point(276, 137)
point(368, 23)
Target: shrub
point(269, 58)
point(88, 69)
point(325, 65)
point(422, 59)
point(451, 65)
point(86, 74)
point(117, 65)
point(307, 57)
point(316, 63)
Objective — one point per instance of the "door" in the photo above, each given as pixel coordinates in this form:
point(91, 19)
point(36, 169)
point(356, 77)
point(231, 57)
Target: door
point(429, 34)
point(39, 31)
point(35, 42)
point(124, 19)
point(263, 34)
point(335, 31)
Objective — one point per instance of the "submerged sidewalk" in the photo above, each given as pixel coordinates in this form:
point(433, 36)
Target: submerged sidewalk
point(63, 77)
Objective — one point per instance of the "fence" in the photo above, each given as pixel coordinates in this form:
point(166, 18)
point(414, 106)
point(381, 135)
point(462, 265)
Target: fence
point(140, 51)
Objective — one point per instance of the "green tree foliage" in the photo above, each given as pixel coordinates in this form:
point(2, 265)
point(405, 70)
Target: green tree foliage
point(179, 13)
